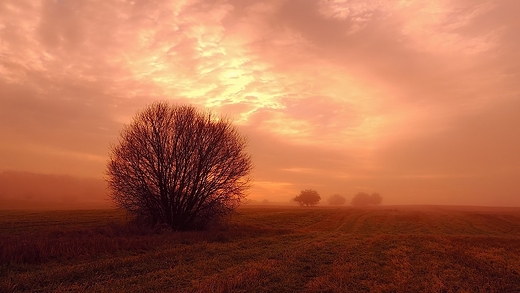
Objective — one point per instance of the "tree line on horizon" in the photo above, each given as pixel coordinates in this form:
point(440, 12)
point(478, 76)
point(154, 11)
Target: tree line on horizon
point(310, 197)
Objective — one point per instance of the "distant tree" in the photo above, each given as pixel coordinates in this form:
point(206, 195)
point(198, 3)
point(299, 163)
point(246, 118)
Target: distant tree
point(177, 166)
point(337, 200)
point(364, 199)
point(308, 197)
point(375, 198)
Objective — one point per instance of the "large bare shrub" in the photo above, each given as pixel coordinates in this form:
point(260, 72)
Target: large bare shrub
point(178, 166)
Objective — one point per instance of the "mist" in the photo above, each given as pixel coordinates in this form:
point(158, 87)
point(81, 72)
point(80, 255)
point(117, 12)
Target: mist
point(24, 190)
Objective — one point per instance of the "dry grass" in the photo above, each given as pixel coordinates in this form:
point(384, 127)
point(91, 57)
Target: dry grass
point(401, 249)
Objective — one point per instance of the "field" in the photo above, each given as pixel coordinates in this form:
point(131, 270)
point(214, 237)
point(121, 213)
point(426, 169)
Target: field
point(275, 249)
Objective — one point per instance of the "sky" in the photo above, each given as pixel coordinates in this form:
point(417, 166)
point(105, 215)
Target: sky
point(416, 100)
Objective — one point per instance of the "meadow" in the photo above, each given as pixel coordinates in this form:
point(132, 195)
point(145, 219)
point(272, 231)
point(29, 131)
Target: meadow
point(266, 249)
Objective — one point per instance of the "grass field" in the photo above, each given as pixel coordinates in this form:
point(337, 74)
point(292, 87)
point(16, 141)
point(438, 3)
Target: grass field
point(384, 249)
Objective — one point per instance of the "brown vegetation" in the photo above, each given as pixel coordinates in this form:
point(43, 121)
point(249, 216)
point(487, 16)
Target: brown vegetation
point(381, 249)
point(179, 167)
point(308, 197)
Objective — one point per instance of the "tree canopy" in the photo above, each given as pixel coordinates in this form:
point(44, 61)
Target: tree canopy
point(337, 200)
point(364, 199)
point(308, 197)
point(178, 166)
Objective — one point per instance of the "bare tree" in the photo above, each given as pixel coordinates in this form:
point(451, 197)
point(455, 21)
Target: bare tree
point(337, 200)
point(178, 166)
point(308, 197)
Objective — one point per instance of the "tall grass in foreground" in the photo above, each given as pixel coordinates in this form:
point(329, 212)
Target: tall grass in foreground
point(71, 243)
point(37, 248)
point(267, 250)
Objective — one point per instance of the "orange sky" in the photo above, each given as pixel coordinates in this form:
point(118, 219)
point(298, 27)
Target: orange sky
point(416, 100)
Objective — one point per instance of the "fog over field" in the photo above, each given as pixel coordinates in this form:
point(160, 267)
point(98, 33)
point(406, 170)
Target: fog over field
point(21, 190)
point(416, 100)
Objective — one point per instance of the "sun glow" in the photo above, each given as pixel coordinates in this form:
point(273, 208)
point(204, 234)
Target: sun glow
point(396, 96)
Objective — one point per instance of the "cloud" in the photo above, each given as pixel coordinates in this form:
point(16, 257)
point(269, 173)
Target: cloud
point(361, 92)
